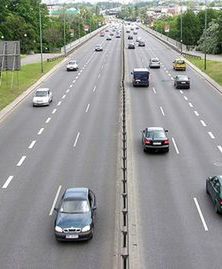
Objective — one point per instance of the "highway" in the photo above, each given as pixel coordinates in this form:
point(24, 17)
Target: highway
point(75, 142)
point(177, 225)
point(71, 143)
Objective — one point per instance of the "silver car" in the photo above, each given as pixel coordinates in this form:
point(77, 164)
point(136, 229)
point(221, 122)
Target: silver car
point(72, 66)
point(154, 63)
point(42, 97)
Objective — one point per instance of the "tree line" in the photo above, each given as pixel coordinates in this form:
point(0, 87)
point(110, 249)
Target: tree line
point(20, 20)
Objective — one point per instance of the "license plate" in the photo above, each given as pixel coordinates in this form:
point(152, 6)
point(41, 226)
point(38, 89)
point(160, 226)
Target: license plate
point(183, 82)
point(72, 236)
point(157, 143)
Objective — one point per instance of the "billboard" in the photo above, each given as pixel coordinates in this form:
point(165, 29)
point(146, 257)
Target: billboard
point(10, 55)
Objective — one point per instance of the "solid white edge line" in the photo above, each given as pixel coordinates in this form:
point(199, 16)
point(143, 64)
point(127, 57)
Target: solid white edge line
point(203, 123)
point(21, 161)
point(48, 120)
point(7, 182)
point(32, 144)
point(55, 200)
point(220, 148)
point(161, 109)
point(87, 108)
point(54, 111)
point(40, 131)
point(200, 214)
point(76, 140)
point(175, 146)
point(196, 113)
point(211, 135)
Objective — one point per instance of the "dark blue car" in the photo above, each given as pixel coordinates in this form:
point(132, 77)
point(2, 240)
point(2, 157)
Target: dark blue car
point(75, 215)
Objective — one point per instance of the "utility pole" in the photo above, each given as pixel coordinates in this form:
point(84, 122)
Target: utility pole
point(64, 31)
point(205, 37)
point(40, 37)
point(181, 28)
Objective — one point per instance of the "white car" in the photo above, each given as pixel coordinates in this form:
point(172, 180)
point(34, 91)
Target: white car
point(42, 97)
point(98, 47)
point(154, 63)
point(72, 66)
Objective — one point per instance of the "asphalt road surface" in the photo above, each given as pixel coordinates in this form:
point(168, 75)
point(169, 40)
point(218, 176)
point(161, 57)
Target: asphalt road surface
point(178, 227)
point(71, 143)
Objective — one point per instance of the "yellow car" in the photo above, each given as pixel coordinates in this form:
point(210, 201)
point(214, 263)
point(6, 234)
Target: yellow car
point(179, 64)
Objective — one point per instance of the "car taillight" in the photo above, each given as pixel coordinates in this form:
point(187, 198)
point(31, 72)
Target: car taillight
point(220, 202)
point(166, 142)
point(147, 141)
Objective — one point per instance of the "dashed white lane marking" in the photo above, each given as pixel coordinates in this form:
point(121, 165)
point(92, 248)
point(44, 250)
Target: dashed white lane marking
point(74, 81)
point(64, 96)
point(211, 135)
point(9, 179)
point(203, 123)
point(196, 113)
point(32, 144)
point(154, 90)
point(21, 161)
point(181, 91)
point(172, 78)
point(200, 214)
point(68, 90)
point(94, 89)
point(175, 145)
point(54, 111)
point(59, 103)
point(40, 131)
point(79, 74)
point(77, 77)
point(70, 86)
point(87, 108)
point(220, 148)
point(76, 140)
point(102, 67)
point(48, 120)
point(167, 71)
point(190, 104)
point(169, 75)
point(55, 200)
point(185, 98)
point(161, 109)
point(80, 71)
point(99, 75)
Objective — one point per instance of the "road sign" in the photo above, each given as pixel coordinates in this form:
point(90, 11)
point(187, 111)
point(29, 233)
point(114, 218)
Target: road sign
point(10, 55)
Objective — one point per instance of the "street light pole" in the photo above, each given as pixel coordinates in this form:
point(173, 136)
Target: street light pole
point(64, 31)
point(40, 37)
point(205, 37)
point(181, 29)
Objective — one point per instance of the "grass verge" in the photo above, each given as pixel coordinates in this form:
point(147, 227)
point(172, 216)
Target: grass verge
point(213, 70)
point(14, 83)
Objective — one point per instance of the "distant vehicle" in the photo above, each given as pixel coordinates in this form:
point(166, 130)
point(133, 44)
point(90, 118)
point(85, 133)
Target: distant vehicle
point(140, 77)
point(102, 34)
point(182, 82)
point(155, 139)
point(138, 39)
point(108, 37)
point(137, 27)
point(111, 33)
point(131, 45)
point(98, 47)
point(154, 63)
point(127, 31)
point(107, 30)
point(75, 215)
point(130, 37)
point(42, 97)
point(214, 189)
point(141, 43)
point(135, 32)
point(117, 35)
point(72, 66)
point(179, 64)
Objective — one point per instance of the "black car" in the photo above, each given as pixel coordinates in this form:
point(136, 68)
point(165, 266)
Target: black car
point(130, 37)
point(182, 82)
point(155, 138)
point(75, 215)
point(131, 46)
point(214, 189)
point(141, 43)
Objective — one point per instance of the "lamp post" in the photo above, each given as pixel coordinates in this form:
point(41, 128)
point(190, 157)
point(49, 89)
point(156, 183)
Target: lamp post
point(64, 30)
point(181, 29)
point(40, 37)
point(205, 37)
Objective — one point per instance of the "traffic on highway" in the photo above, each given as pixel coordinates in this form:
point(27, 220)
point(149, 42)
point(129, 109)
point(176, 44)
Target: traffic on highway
point(60, 161)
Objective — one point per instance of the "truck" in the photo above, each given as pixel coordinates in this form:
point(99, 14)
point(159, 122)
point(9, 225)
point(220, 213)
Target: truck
point(140, 77)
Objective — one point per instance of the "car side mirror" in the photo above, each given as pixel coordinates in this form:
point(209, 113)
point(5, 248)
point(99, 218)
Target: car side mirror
point(56, 209)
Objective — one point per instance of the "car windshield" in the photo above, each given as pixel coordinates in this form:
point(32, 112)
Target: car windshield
point(181, 77)
point(74, 206)
point(72, 62)
point(41, 93)
point(155, 60)
point(180, 62)
point(156, 134)
point(140, 75)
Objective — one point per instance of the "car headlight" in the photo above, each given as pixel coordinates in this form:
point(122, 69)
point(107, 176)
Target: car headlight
point(86, 228)
point(58, 229)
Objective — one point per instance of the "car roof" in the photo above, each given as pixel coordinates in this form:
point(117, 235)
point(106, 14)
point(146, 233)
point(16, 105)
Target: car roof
point(42, 89)
point(155, 129)
point(140, 70)
point(219, 178)
point(78, 193)
point(182, 76)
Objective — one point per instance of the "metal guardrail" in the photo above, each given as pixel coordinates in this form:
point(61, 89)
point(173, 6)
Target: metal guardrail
point(124, 193)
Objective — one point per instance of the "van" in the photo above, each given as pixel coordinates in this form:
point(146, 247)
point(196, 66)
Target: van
point(140, 77)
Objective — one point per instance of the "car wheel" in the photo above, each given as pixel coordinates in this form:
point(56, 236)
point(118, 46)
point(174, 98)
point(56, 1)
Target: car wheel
point(216, 208)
